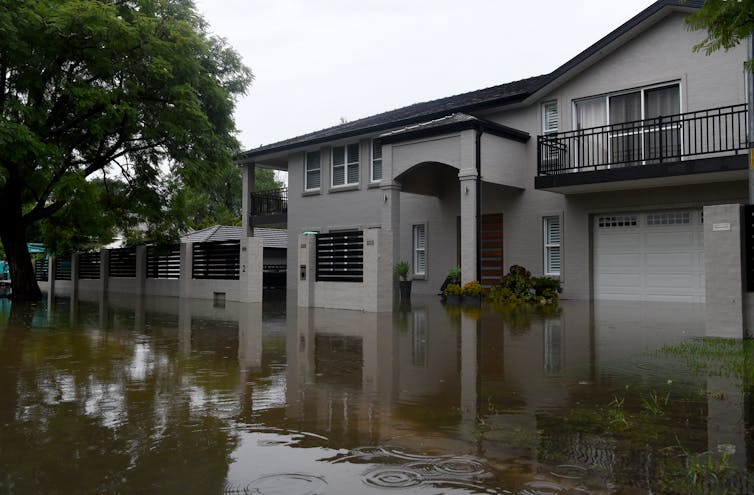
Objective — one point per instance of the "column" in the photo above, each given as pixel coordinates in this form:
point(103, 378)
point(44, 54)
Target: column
point(306, 269)
point(51, 274)
point(390, 196)
point(468, 178)
point(247, 186)
point(251, 270)
point(104, 272)
point(187, 261)
point(141, 269)
point(723, 271)
point(75, 277)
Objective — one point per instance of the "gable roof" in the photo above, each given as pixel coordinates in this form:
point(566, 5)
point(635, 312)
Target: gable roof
point(271, 238)
point(494, 96)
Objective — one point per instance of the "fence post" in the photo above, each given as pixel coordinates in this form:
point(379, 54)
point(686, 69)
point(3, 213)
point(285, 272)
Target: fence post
point(104, 269)
point(141, 268)
point(306, 269)
point(250, 278)
point(51, 273)
point(75, 276)
point(187, 261)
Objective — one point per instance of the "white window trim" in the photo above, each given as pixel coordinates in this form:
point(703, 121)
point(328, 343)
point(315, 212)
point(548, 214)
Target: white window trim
point(415, 250)
point(345, 165)
point(547, 246)
point(545, 104)
point(372, 160)
point(306, 171)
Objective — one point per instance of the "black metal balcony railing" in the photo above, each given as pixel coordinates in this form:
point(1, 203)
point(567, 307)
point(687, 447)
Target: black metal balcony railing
point(272, 202)
point(662, 139)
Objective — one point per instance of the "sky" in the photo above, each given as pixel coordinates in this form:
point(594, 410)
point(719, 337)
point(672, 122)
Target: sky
point(316, 62)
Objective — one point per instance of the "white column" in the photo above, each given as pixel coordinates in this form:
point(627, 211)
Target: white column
point(247, 187)
point(251, 270)
point(187, 261)
point(467, 178)
point(306, 269)
point(723, 271)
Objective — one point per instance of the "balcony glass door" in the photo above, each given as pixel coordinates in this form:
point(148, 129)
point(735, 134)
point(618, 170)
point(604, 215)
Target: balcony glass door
point(625, 138)
point(591, 150)
point(662, 136)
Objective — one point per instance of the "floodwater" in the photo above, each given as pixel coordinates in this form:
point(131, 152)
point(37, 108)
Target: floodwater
point(152, 395)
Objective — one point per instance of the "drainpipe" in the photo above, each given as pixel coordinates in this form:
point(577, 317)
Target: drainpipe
point(750, 101)
point(479, 132)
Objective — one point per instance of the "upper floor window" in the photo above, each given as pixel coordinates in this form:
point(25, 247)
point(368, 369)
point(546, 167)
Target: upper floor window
point(313, 171)
point(550, 119)
point(345, 164)
point(376, 160)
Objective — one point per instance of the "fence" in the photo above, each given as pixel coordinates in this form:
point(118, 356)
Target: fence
point(89, 266)
point(63, 267)
point(122, 263)
point(218, 260)
point(164, 261)
point(340, 257)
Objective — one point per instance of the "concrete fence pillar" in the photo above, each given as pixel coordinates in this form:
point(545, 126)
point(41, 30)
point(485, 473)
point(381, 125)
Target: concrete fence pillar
point(187, 261)
point(104, 270)
point(307, 251)
point(141, 269)
point(250, 279)
point(75, 276)
point(723, 270)
point(378, 272)
point(51, 273)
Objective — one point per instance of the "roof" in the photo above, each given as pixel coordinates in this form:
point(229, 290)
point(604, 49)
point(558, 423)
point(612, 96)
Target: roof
point(453, 122)
point(494, 96)
point(271, 238)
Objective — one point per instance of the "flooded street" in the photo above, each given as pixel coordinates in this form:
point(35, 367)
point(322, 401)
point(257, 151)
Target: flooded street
point(161, 395)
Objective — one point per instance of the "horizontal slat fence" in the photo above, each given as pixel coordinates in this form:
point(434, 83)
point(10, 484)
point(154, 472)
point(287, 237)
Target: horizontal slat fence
point(89, 266)
point(219, 260)
point(41, 269)
point(340, 257)
point(122, 263)
point(63, 267)
point(164, 261)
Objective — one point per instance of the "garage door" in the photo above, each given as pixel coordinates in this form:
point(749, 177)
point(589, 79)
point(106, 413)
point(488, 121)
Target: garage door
point(650, 256)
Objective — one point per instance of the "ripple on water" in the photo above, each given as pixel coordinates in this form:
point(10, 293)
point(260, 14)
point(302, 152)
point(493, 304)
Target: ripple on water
point(393, 477)
point(461, 466)
point(287, 484)
point(543, 488)
point(569, 472)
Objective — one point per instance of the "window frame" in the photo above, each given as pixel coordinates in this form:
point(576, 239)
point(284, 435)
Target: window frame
point(307, 171)
point(545, 105)
point(372, 160)
point(548, 245)
point(347, 163)
point(415, 249)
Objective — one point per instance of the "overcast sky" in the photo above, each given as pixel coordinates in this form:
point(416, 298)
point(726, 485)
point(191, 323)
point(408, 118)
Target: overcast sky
point(317, 61)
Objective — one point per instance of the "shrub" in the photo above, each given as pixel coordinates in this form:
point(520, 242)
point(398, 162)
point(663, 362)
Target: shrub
point(472, 289)
point(401, 268)
point(452, 290)
point(454, 275)
point(518, 286)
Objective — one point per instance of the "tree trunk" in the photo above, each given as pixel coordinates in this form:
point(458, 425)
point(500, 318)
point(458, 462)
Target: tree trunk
point(13, 236)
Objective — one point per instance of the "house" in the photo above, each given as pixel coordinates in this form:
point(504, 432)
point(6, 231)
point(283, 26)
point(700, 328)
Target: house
point(597, 173)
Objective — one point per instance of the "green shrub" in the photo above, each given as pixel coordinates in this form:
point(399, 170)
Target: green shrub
point(454, 274)
point(472, 289)
point(401, 268)
point(518, 286)
point(452, 290)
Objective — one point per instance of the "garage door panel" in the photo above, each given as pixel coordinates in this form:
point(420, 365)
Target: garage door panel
point(657, 262)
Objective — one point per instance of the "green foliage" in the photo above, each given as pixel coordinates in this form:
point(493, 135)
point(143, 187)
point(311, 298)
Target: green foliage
point(117, 91)
point(727, 22)
point(454, 274)
point(716, 357)
point(401, 269)
point(452, 290)
point(518, 286)
point(472, 289)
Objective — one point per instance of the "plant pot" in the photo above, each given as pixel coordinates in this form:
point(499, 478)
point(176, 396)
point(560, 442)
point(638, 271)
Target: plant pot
point(471, 300)
point(404, 289)
point(453, 299)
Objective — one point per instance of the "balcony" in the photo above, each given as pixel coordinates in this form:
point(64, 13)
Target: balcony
point(694, 147)
point(269, 208)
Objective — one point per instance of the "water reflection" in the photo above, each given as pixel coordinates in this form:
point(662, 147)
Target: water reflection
point(168, 395)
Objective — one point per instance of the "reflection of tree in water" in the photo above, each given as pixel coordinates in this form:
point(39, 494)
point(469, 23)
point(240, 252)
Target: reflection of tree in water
point(98, 412)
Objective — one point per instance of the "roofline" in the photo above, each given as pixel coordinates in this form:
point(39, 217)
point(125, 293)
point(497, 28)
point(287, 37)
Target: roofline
point(547, 82)
point(476, 124)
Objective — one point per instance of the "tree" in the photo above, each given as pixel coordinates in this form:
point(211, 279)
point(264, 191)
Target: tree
point(112, 89)
point(728, 23)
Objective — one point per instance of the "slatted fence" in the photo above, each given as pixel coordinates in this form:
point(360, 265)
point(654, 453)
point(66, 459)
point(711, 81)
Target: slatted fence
point(340, 257)
point(218, 260)
point(41, 270)
point(63, 267)
point(164, 261)
point(122, 263)
point(89, 266)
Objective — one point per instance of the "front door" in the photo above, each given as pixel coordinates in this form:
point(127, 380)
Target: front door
point(491, 262)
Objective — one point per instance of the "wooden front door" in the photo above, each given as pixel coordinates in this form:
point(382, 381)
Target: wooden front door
point(491, 262)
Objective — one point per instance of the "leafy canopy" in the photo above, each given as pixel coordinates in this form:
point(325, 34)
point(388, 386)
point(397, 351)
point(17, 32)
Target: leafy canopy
point(112, 90)
point(728, 23)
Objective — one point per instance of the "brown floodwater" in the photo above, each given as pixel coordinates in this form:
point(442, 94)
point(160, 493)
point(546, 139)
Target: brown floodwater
point(121, 394)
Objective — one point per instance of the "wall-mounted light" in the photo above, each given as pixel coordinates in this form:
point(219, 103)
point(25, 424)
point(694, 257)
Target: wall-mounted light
point(466, 189)
point(385, 199)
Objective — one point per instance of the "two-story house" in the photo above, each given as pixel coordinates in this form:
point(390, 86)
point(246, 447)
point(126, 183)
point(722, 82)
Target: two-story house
point(595, 173)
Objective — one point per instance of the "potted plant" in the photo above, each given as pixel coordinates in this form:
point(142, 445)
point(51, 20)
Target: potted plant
point(454, 275)
point(452, 293)
point(472, 293)
point(404, 284)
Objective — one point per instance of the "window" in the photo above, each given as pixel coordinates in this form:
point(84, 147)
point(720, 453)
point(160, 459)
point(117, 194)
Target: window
point(618, 221)
point(550, 117)
point(552, 245)
point(313, 171)
point(345, 164)
point(376, 160)
point(420, 249)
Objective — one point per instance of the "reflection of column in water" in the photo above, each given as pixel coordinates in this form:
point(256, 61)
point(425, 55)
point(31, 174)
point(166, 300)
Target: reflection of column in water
point(184, 326)
point(726, 419)
point(139, 314)
point(250, 336)
point(469, 327)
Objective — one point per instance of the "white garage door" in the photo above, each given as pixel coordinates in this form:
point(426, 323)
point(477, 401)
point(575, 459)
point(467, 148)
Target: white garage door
point(651, 256)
